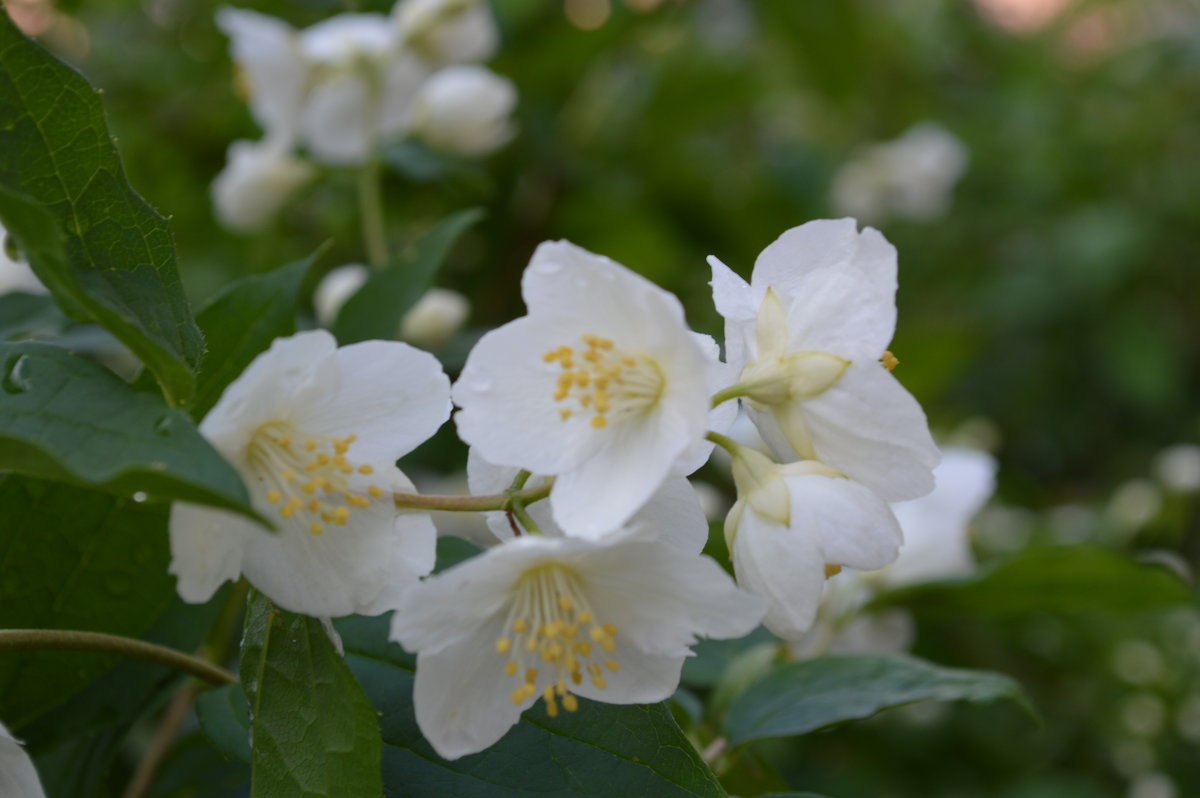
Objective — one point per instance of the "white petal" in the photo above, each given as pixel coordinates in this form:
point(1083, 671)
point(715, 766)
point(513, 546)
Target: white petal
point(334, 121)
point(286, 380)
point(603, 492)
point(819, 244)
point(391, 395)
point(506, 392)
point(206, 548)
point(18, 778)
point(356, 568)
point(855, 526)
point(265, 48)
point(673, 516)
point(720, 418)
point(402, 80)
point(871, 429)
point(661, 600)
point(785, 567)
point(592, 293)
point(837, 311)
point(462, 696)
point(641, 678)
point(738, 303)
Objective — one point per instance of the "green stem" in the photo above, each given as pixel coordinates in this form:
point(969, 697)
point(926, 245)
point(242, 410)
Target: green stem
point(725, 442)
point(472, 504)
point(69, 640)
point(732, 392)
point(370, 205)
point(518, 509)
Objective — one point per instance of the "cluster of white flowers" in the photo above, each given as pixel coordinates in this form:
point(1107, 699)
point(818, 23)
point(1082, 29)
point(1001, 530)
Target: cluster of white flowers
point(600, 400)
point(910, 177)
point(340, 89)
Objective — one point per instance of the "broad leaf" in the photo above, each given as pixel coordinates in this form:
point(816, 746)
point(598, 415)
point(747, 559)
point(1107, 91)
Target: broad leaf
point(800, 697)
point(241, 322)
point(312, 731)
point(225, 717)
point(69, 419)
point(602, 749)
point(22, 315)
point(97, 245)
point(1058, 579)
point(376, 309)
point(73, 559)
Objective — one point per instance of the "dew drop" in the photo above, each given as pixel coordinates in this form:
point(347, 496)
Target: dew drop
point(140, 496)
point(16, 375)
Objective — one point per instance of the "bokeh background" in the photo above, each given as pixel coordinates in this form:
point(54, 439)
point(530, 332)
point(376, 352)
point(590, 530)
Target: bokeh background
point(1049, 295)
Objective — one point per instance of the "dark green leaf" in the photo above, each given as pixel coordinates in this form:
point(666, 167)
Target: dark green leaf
point(241, 322)
point(73, 559)
point(800, 697)
point(26, 314)
point(601, 750)
point(312, 730)
point(376, 309)
point(66, 418)
point(1059, 579)
point(225, 718)
point(97, 245)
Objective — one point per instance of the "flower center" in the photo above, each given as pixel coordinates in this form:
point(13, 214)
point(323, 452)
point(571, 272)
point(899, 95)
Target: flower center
point(604, 381)
point(308, 479)
point(556, 640)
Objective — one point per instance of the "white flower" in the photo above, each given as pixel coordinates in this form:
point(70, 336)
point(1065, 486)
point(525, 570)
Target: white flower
point(315, 432)
point(447, 31)
point(436, 317)
point(15, 274)
point(807, 334)
point(672, 515)
point(910, 177)
point(336, 288)
point(793, 525)
point(465, 110)
point(258, 179)
point(338, 88)
point(602, 385)
point(18, 778)
point(553, 618)
point(936, 544)
point(1178, 467)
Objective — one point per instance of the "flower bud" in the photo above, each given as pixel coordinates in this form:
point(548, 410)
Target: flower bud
point(258, 179)
point(335, 288)
point(465, 110)
point(435, 318)
point(447, 31)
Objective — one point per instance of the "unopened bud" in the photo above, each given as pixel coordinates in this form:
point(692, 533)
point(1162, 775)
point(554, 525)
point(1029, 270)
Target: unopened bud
point(435, 318)
point(465, 110)
point(258, 179)
point(335, 288)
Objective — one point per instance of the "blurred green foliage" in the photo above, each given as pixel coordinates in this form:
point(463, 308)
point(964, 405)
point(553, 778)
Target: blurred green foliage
point(1057, 299)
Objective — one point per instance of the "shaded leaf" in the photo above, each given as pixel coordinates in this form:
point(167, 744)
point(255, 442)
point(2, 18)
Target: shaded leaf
point(1058, 579)
point(66, 418)
point(241, 322)
point(225, 718)
point(800, 697)
point(600, 750)
point(376, 309)
point(312, 730)
point(104, 253)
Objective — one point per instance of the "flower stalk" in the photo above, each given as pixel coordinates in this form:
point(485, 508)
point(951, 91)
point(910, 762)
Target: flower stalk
point(512, 499)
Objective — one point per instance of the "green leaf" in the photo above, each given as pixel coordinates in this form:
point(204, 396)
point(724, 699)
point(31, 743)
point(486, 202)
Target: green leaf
point(1063, 579)
point(66, 418)
point(97, 245)
point(73, 559)
point(241, 322)
point(312, 730)
point(26, 314)
point(225, 718)
point(376, 309)
point(800, 697)
point(602, 749)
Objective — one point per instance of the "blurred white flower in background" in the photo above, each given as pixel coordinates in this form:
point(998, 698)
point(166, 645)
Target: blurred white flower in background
point(1134, 503)
point(258, 179)
point(447, 31)
point(910, 177)
point(18, 779)
point(436, 317)
point(1178, 468)
point(465, 110)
